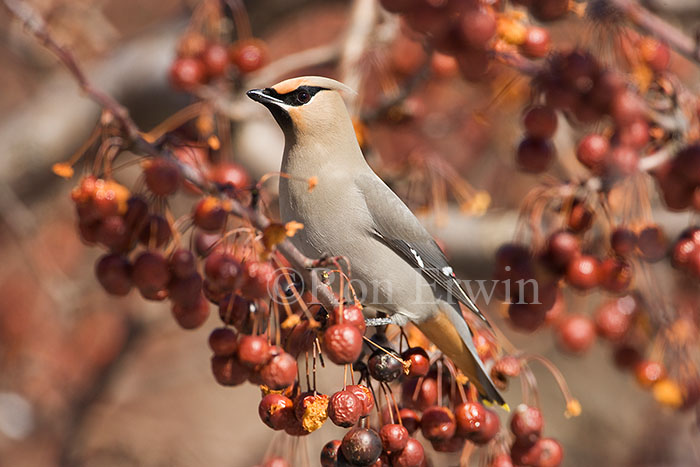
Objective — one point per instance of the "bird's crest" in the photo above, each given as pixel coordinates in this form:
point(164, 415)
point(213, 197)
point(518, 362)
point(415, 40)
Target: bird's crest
point(291, 84)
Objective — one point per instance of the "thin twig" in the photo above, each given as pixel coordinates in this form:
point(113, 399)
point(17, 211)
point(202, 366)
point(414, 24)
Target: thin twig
point(36, 25)
point(659, 28)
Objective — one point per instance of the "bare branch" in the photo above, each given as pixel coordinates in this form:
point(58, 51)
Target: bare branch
point(37, 26)
point(649, 22)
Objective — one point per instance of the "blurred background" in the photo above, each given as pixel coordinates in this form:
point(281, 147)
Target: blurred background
point(89, 379)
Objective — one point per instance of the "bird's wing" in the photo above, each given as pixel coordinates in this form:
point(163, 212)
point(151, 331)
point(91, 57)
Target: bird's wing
point(396, 226)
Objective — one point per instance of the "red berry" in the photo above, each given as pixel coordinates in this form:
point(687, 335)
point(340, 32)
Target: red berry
point(438, 423)
point(248, 56)
point(548, 453)
point(626, 357)
point(470, 418)
point(253, 351)
point(361, 446)
point(191, 317)
point(526, 424)
point(683, 253)
point(526, 317)
point(537, 42)
point(364, 395)
point(652, 243)
point(488, 430)
point(259, 279)
point(583, 272)
point(623, 161)
point(501, 460)
point(656, 54)
point(223, 270)
point(183, 263)
point(276, 411)
point(649, 372)
point(384, 367)
point(623, 241)
point(504, 368)
point(473, 64)
point(549, 10)
point(223, 342)
point(351, 315)
point(114, 274)
point(186, 73)
point(614, 318)
point(634, 135)
point(562, 247)
point(420, 362)
point(280, 371)
point(410, 456)
point(592, 151)
point(185, 291)
point(615, 275)
point(410, 419)
point(397, 6)
point(229, 175)
point(580, 217)
point(209, 214)
point(329, 453)
point(540, 121)
point(575, 333)
point(155, 232)
point(534, 155)
point(394, 437)
point(478, 26)
point(215, 59)
point(342, 343)
point(228, 371)
point(151, 272)
point(344, 409)
point(425, 397)
point(626, 107)
point(236, 310)
point(162, 176)
point(454, 444)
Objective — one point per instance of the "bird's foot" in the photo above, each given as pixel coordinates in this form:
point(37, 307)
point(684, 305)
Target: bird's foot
point(328, 260)
point(373, 322)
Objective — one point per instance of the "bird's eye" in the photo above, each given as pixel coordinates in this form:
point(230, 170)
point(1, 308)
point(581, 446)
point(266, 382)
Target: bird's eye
point(303, 97)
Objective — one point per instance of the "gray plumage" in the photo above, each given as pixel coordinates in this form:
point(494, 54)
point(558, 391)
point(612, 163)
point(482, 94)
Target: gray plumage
point(396, 264)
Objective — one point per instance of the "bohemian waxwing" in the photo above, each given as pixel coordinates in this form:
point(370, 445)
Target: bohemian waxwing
point(397, 268)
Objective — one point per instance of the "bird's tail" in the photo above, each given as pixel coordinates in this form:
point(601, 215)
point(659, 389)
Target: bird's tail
point(448, 330)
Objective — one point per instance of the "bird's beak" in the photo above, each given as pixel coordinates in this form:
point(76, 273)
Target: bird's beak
point(264, 96)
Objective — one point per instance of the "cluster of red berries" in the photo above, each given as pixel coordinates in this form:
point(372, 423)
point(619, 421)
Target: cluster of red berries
point(199, 60)
point(460, 29)
point(679, 179)
point(686, 252)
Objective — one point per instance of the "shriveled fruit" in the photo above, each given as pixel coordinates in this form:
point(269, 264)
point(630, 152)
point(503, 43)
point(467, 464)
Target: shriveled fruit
point(383, 366)
point(394, 437)
point(364, 395)
point(342, 343)
point(344, 409)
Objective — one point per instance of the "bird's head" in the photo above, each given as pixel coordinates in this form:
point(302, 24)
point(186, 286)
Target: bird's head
point(309, 107)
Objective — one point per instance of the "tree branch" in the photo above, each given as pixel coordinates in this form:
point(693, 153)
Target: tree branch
point(36, 25)
point(659, 28)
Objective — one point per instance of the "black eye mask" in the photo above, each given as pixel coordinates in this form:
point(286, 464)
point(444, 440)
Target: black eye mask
point(299, 96)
